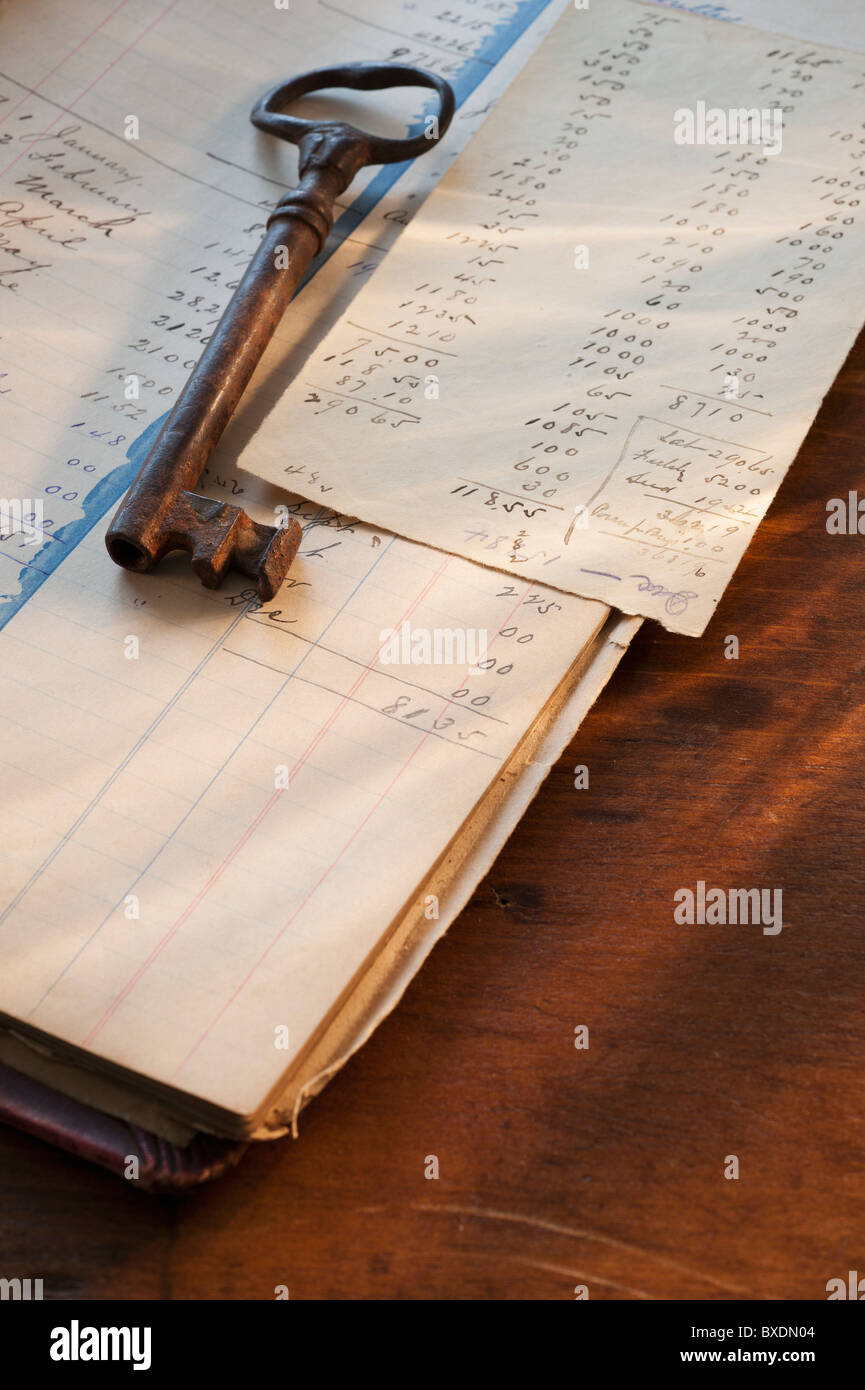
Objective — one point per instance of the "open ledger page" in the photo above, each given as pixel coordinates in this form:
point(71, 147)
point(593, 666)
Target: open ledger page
point(400, 951)
point(212, 810)
point(595, 352)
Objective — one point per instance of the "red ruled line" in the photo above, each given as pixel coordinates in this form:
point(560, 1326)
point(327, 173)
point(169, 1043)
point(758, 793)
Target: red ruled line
point(89, 88)
point(57, 66)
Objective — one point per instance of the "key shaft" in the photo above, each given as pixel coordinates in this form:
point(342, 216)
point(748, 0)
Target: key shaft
point(162, 512)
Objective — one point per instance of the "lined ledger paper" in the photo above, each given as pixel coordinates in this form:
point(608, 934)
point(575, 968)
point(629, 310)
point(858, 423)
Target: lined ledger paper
point(204, 842)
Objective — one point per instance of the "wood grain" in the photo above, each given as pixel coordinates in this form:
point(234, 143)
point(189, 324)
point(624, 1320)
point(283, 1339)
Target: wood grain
point(602, 1167)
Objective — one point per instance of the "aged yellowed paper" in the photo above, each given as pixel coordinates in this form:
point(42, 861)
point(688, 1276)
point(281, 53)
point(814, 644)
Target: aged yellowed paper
point(595, 352)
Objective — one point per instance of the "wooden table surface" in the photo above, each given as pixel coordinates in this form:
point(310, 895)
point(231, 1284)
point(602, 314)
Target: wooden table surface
point(604, 1167)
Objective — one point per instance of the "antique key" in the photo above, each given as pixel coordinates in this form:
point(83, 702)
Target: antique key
point(161, 512)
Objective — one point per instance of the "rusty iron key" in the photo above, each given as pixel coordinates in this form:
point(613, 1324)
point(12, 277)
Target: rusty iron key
point(161, 512)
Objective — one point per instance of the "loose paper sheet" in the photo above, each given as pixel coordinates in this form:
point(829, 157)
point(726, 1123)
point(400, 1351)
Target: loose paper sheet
point(594, 354)
point(212, 811)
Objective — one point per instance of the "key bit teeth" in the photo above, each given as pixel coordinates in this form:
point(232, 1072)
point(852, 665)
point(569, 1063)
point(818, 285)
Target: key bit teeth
point(219, 537)
point(263, 552)
point(276, 551)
